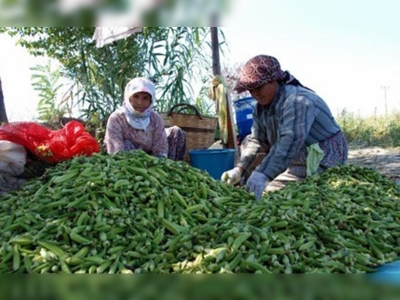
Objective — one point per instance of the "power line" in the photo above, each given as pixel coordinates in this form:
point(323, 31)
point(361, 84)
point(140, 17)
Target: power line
point(385, 88)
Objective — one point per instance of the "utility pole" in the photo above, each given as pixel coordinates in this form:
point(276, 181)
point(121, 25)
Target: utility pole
point(215, 51)
point(231, 143)
point(385, 88)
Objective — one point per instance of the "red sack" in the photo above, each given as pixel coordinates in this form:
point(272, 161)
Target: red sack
point(51, 145)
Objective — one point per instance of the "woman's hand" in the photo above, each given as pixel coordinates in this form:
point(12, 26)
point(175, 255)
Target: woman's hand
point(232, 176)
point(257, 183)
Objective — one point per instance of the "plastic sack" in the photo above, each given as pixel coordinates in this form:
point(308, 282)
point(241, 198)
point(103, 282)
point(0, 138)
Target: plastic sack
point(12, 158)
point(51, 145)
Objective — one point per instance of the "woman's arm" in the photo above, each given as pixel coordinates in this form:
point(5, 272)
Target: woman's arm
point(256, 143)
point(113, 140)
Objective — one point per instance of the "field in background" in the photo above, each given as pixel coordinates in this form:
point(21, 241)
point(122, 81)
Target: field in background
point(382, 131)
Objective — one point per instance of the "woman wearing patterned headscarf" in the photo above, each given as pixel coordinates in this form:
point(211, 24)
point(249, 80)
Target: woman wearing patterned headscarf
point(135, 125)
point(294, 133)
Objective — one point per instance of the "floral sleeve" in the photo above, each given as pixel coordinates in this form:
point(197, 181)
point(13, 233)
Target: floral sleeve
point(113, 140)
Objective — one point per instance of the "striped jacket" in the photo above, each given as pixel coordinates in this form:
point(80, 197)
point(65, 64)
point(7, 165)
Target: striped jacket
point(296, 119)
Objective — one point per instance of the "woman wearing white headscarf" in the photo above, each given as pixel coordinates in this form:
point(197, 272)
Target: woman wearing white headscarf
point(135, 125)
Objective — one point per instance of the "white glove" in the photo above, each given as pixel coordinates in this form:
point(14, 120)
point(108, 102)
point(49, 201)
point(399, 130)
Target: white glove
point(232, 176)
point(257, 183)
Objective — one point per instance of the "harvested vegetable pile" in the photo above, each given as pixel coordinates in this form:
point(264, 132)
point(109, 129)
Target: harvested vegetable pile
point(134, 213)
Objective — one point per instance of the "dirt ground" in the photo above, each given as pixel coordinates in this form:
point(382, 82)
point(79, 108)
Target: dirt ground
point(384, 160)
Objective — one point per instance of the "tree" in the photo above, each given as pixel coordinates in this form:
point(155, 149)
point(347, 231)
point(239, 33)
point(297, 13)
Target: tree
point(174, 57)
point(3, 114)
point(231, 75)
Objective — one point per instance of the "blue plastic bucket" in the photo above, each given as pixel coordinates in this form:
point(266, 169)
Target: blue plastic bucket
point(244, 115)
point(213, 161)
point(389, 272)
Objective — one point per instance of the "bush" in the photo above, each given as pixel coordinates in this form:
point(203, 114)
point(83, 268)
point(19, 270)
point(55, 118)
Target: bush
point(382, 131)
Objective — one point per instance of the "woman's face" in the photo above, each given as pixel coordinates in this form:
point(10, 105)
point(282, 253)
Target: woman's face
point(265, 93)
point(140, 101)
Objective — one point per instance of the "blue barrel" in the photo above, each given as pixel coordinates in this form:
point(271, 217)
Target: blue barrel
point(244, 115)
point(213, 161)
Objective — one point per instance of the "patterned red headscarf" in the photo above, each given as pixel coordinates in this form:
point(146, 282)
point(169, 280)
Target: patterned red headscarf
point(259, 70)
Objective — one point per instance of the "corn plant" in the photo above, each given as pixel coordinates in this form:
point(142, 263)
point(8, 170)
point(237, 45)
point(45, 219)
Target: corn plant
point(46, 80)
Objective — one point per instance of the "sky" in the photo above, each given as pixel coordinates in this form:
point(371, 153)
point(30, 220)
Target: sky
point(345, 50)
point(348, 51)
point(19, 97)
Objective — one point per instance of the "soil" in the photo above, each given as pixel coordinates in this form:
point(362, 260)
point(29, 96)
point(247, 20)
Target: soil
point(386, 161)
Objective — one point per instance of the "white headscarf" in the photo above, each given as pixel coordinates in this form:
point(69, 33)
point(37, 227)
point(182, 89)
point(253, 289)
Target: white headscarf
point(136, 119)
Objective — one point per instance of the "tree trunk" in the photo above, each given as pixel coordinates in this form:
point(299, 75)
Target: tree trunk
point(3, 114)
